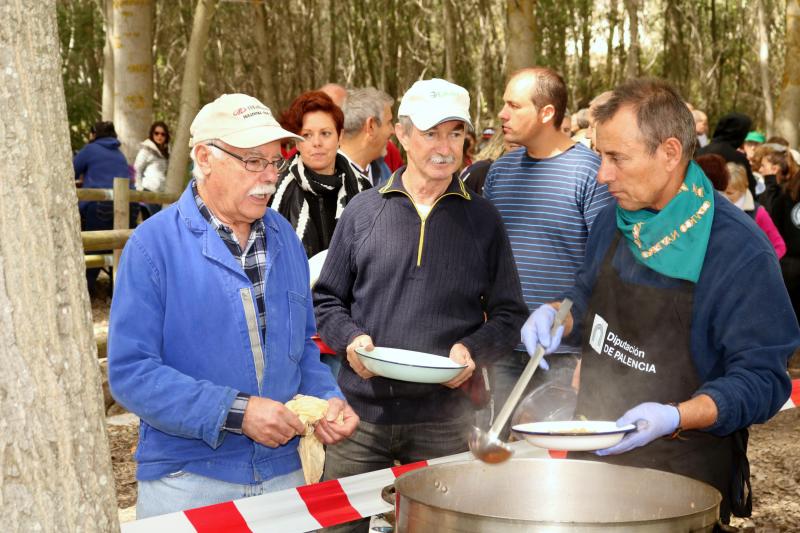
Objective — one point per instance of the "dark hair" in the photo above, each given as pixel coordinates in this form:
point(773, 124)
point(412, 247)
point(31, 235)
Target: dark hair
point(792, 186)
point(549, 89)
point(308, 102)
point(103, 129)
point(165, 148)
point(660, 113)
point(715, 168)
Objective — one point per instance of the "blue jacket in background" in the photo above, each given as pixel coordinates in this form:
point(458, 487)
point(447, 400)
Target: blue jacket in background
point(100, 162)
point(183, 340)
point(743, 328)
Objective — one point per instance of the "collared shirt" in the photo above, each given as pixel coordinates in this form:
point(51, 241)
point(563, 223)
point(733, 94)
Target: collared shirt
point(367, 172)
point(254, 257)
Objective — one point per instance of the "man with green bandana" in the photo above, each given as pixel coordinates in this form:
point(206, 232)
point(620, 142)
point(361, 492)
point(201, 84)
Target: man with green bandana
point(685, 323)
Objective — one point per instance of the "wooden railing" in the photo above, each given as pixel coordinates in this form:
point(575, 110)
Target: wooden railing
point(115, 239)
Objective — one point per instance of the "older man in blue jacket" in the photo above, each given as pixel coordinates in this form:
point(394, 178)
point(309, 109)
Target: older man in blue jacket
point(211, 326)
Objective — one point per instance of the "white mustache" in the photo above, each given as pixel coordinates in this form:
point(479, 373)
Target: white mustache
point(264, 188)
point(443, 160)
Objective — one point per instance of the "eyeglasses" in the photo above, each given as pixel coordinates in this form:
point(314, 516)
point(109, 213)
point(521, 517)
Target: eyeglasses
point(256, 164)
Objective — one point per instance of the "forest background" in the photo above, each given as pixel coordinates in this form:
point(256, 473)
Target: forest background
point(723, 55)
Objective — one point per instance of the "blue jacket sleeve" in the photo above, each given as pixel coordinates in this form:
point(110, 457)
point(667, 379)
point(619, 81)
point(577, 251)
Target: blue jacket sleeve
point(80, 162)
point(165, 398)
point(754, 332)
point(600, 236)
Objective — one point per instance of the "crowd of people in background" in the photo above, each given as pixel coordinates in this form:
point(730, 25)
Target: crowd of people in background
point(468, 238)
point(357, 152)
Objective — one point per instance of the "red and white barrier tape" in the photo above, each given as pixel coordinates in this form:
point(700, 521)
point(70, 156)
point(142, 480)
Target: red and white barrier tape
point(302, 509)
point(319, 505)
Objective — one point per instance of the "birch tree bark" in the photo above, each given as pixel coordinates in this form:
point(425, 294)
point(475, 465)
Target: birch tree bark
point(190, 94)
point(787, 118)
point(449, 40)
point(55, 466)
point(632, 61)
point(521, 47)
point(264, 64)
point(763, 64)
point(107, 7)
point(133, 72)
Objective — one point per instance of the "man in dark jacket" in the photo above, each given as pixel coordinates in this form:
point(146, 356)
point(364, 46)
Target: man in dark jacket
point(96, 166)
point(420, 264)
point(728, 138)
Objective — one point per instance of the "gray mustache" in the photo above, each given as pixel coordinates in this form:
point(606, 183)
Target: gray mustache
point(262, 189)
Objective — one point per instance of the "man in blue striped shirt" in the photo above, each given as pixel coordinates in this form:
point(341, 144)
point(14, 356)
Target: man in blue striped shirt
point(548, 197)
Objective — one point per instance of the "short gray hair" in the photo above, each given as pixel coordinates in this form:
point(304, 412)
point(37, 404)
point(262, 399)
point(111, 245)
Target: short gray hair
point(216, 153)
point(362, 104)
point(660, 113)
point(406, 124)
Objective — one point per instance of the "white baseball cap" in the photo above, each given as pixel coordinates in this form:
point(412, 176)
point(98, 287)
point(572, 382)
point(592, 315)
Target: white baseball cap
point(431, 102)
point(239, 120)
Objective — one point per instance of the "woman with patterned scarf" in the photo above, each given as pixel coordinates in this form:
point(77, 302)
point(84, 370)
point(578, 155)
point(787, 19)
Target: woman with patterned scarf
point(319, 182)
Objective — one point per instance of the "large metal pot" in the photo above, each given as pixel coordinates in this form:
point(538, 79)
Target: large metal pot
point(551, 495)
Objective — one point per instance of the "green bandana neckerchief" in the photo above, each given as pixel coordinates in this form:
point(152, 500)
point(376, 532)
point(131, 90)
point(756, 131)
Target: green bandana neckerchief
point(673, 241)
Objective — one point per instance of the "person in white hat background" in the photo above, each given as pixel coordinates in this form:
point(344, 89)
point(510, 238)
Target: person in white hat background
point(211, 323)
point(419, 264)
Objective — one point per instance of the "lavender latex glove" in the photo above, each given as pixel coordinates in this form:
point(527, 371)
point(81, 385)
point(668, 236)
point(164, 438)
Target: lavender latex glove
point(652, 421)
point(536, 330)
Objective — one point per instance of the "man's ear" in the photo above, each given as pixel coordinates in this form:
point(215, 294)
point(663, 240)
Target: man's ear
point(202, 155)
point(369, 126)
point(672, 153)
point(400, 133)
point(547, 113)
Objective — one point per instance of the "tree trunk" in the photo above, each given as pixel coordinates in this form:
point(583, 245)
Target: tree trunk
point(108, 60)
point(133, 73)
point(55, 466)
point(521, 47)
point(584, 81)
point(190, 94)
point(612, 25)
point(632, 61)
point(787, 118)
point(763, 63)
point(449, 40)
point(265, 68)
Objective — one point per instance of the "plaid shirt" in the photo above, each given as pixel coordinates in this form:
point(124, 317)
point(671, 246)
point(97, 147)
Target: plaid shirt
point(253, 258)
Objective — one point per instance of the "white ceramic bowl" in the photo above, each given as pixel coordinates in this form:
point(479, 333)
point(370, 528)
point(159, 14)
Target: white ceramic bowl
point(573, 435)
point(315, 266)
point(407, 365)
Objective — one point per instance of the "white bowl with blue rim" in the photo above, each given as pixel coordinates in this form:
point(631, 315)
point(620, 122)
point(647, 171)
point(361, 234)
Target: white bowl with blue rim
point(408, 365)
point(573, 435)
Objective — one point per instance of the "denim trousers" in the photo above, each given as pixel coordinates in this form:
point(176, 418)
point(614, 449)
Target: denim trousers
point(507, 370)
point(183, 490)
point(377, 446)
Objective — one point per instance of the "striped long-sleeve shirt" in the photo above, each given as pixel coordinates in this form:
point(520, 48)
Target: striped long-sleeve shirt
point(548, 206)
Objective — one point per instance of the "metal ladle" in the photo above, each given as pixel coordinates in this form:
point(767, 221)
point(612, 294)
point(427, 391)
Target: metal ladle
point(486, 446)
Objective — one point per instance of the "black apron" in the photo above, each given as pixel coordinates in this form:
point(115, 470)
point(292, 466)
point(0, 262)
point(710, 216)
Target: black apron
point(643, 336)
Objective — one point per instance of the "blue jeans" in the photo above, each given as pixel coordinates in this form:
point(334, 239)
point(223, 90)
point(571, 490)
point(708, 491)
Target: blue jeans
point(183, 490)
point(507, 370)
point(377, 446)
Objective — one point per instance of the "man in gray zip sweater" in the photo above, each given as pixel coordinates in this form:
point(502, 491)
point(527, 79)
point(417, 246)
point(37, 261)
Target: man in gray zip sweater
point(419, 264)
